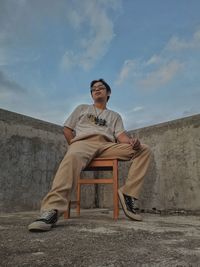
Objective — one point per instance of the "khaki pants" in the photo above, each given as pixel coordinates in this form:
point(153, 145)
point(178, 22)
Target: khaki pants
point(79, 155)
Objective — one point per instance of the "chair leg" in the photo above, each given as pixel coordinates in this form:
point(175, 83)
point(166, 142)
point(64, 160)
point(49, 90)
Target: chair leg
point(67, 212)
point(115, 191)
point(78, 202)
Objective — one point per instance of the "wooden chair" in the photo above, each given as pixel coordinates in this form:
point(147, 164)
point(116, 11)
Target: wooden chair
point(99, 164)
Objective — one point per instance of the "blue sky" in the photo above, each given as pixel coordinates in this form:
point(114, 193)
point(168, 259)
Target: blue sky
point(148, 51)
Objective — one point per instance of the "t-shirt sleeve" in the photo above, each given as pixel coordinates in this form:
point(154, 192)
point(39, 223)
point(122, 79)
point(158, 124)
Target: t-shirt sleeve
point(119, 126)
point(73, 118)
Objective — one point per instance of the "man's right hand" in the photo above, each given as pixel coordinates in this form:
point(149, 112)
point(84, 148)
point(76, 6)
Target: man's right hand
point(69, 135)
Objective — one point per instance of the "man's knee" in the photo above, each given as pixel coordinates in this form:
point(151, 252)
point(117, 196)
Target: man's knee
point(146, 149)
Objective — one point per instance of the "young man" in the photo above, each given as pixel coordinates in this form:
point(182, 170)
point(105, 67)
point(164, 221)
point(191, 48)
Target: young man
point(94, 131)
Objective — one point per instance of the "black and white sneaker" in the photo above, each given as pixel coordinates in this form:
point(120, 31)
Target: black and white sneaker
point(45, 222)
point(128, 206)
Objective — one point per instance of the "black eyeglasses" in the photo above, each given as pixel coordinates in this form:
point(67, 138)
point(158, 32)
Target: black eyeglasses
point(98, 88)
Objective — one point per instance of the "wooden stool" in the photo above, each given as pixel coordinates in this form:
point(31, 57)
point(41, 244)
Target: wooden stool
point(99, 164)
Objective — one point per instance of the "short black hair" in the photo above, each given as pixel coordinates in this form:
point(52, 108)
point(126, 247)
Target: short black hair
point(108, 89)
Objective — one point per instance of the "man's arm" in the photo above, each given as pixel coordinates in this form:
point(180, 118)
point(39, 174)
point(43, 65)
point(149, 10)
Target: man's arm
point(69, 134)
point(124, 138)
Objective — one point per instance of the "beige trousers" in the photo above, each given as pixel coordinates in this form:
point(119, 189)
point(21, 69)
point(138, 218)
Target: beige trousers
point(79, 155)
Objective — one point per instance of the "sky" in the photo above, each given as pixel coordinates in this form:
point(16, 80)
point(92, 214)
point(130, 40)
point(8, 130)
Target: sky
point(147, 51)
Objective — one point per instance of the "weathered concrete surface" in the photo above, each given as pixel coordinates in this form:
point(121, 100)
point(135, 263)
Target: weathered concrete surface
point(95, 240)
point(31, 150)
point(173, 179)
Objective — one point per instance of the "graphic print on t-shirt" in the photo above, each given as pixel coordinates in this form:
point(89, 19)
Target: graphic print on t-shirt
point(96, 120)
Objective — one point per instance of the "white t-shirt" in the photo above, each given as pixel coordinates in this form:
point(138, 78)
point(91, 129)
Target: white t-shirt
point(86, 120)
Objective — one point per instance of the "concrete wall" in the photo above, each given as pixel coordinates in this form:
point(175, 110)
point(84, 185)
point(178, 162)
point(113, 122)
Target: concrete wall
point(173, 182)
point(31, 150)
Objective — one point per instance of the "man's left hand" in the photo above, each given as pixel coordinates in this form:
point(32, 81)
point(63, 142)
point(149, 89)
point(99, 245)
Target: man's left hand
point(135, 143)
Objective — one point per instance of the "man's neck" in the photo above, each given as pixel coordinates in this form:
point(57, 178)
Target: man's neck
point(100, 105)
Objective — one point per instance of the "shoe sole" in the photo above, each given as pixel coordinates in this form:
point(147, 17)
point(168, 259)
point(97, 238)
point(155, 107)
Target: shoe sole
point(130, 215)
point(39, 227)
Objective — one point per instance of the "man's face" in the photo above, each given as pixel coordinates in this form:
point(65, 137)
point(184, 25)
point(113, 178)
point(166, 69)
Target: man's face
point(99, 92)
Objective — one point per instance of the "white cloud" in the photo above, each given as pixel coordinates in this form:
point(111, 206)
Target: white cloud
point(135, 109)
point(96, 39)
point(153, 73)
point(161, 76)
point(160, 68)
point(155, 59)
point(139, 108)
point(177, 44)
point(126, 71)
point(75, 19)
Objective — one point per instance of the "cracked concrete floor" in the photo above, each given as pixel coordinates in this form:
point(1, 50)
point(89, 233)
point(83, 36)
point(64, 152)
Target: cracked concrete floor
point(95, 240)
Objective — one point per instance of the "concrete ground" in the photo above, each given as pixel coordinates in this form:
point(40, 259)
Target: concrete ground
point(95, 240)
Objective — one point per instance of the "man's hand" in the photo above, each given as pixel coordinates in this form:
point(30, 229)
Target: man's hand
point(69, 134)
point(124, 138)
point(135, 143)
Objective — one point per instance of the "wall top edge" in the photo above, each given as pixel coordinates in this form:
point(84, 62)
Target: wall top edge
point(181, 122)
point(14, 118)
point(17, 118)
